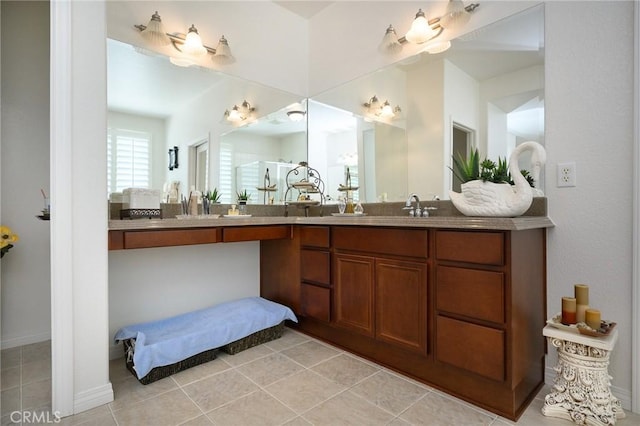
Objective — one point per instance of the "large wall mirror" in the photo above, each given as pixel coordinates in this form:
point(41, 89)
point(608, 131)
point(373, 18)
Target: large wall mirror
point(155, 106)
point(486, 91)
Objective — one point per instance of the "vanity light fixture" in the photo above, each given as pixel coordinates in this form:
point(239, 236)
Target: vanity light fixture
point(424, 30)
point(374, 109)
point(296, 112)
point(240, 114)
point(189, 46)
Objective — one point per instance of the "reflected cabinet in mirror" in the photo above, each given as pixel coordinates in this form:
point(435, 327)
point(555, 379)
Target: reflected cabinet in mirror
point(485, 92)
point(392, 132)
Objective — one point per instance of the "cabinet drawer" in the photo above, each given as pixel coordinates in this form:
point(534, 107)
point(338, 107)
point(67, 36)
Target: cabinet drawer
point(170, 237)
point(254, 233)
point(474, 247)
point(314, 266)
point(470, 292)
point(393, 241)
point(314, 236)
point(471, 347)
point(316, 302)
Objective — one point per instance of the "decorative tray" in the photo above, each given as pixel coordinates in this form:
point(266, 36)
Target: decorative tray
point(303, 184)
point(582, 328)
point(237, 216)
point(267, 188)
point(348, 214)
point(348, 188)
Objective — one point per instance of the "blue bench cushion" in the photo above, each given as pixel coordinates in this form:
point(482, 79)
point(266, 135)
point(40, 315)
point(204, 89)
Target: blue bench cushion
point(167, 341)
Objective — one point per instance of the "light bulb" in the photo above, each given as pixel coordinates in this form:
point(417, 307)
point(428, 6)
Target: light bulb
point(386, 111)
point(455, 16)
point(390, 43)
point(193, 43)
point(420, 31)
point(154, 33)
point(234, 115)
point(223, 52)
point(437, 47)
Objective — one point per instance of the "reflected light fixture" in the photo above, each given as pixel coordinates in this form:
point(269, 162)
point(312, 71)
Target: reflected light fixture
point(424, 30)
point(374, 109)
point(296, 112)
point(240, 114)
point(189, 46)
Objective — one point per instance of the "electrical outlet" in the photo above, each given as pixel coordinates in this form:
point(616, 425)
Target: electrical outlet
point(566, 174)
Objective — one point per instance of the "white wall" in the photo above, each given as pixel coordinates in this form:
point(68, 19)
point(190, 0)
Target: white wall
point(26, 315)
point(589, 120)
point(589, 103)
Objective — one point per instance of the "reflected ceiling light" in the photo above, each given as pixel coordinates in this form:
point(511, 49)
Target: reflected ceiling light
point(423, 30)
point(240, 114)
point(374, 109)
point(296, 112)
point(189, 46)
point(154, 32)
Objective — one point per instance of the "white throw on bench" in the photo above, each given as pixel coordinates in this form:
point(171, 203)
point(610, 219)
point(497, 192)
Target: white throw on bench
point(171, 340)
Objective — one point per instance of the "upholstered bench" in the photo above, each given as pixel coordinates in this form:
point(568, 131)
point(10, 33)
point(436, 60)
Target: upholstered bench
point(157, 349)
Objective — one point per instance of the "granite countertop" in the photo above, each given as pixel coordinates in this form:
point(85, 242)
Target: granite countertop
point(459, 222)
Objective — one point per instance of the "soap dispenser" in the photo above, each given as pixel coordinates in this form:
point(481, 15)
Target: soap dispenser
point(358, 209)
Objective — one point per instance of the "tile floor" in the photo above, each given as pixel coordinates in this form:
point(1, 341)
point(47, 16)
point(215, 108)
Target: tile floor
point(294, 380)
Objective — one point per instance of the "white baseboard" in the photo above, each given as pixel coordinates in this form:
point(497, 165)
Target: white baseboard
point(92, 398)
point(624, 395)
point(13, 342)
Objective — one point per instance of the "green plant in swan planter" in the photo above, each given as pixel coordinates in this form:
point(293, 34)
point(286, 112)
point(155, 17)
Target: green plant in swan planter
point(499, 190)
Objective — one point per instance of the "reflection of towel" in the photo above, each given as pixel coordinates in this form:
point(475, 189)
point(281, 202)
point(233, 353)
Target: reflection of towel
point(171, 340)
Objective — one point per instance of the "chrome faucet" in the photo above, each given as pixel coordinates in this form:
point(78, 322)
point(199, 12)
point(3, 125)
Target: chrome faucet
point(417, 211)
point(408, 205)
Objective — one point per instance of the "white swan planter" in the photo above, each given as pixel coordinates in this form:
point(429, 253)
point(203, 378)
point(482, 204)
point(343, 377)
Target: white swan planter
point(480, 198)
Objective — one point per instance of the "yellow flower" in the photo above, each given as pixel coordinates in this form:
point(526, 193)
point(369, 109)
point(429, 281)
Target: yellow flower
point(7, 237)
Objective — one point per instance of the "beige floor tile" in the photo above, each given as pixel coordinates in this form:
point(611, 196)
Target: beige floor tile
point(304, 390)
point(298, 421)
point(10, 377)
point(36, 394)
point(170, 408)
point(36, 352)
point(219, 389)
point(345, 369)
point(36, 371)
point(443, 411)
point(399, 422)
point(98, 416)
point(129, 391)
point(201, 371)
point(347, 409)
point(198, 421)
point(118, 370)
point(311, 353)
point(289, 338)
point(257, 408)
point(10, 401)
point(389, 392)
point(269, 369)
point(10, 357)
point(244, 357)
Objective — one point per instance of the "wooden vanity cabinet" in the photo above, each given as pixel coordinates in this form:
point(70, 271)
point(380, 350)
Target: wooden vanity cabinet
point(459, 309)
point(380, 284)
point(315, 272)
point(489, 310)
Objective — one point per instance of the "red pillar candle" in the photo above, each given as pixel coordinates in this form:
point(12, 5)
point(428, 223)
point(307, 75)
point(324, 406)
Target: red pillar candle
point(568, 310)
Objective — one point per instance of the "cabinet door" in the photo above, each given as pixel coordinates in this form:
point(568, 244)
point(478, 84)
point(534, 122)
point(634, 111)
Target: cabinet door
point(353, 292)
point(315, 301)
point(401, 304)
